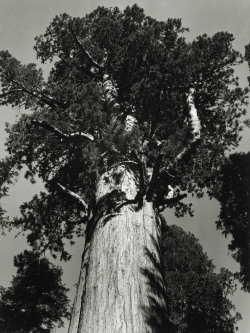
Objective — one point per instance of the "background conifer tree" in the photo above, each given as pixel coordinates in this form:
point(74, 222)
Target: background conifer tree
point(36, 299)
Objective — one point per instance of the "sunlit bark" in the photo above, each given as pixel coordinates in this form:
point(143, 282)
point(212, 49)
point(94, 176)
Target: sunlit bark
point(116, 294)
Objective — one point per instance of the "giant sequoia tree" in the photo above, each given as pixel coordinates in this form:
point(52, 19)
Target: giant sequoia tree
point(131, 118)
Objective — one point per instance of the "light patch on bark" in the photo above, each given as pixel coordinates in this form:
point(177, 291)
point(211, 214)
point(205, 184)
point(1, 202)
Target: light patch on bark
point(193, 114)
point(194, 124)
point(170, 192)
point(130, 122)
point(110, 94)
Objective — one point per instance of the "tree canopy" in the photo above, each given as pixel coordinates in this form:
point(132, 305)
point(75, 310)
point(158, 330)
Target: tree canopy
point(69, 137)
point(198, 299)
point(36, 298)
point(234, 218)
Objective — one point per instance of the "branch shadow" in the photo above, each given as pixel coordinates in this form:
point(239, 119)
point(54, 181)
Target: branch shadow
point(156, 313)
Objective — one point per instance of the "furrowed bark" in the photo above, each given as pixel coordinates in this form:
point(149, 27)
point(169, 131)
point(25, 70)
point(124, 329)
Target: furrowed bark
point(117, 295)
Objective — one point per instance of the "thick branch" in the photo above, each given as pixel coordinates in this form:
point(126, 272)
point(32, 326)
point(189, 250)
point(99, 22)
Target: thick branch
point(59, 133)
point(154, 177)
point(10, 92)
point(82, 49)
point(193, 115)
point(74, 196)
point(170, 192)
point(194, 124)
point(110, 94)
point(34, 93)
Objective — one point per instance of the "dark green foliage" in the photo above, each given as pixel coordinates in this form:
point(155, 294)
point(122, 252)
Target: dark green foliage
point(36, 298)
point(247, 57)
point(197, 297)
point(247, 52)
point(3, 221)
point(49, 220)
point(153, 67)
point(234, 219)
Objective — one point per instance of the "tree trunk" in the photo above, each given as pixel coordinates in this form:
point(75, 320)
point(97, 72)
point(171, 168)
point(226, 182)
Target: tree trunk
point(123, 286)
point(76, 310)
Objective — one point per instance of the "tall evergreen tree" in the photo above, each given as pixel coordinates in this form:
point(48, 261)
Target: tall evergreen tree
point(36, 301)
point(131, 118)
point(233, 193)
point(198, 298)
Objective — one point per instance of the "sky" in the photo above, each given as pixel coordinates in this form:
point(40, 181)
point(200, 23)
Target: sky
point(22, 20)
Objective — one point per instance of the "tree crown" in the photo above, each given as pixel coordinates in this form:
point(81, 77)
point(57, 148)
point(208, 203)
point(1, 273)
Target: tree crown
point(77, 127)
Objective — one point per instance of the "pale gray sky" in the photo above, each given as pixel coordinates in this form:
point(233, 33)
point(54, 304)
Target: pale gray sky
point(22, 20)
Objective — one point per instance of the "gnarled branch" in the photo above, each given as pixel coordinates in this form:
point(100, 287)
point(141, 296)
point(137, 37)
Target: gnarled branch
point(194, 124)
point(44, 98)
point(10, 92)
point(82, 49)
point(59, 133)
point(75, 196)
point(193, 115)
